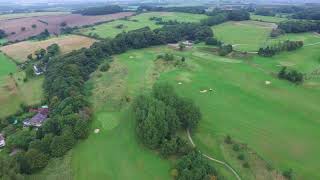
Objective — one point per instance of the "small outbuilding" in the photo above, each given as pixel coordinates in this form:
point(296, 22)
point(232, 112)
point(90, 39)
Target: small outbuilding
point(38, 119)
point(2, 141)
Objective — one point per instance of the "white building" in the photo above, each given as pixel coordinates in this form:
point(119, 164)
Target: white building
point(2, 141)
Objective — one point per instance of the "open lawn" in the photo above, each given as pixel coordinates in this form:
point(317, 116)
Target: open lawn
point(109, 30)
point(271, 19)
point(244, 35)
point(21, 50)
point(14, 92)
point(6, 66)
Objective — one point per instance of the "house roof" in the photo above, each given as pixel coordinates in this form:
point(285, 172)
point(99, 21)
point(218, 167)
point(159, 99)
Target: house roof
point(1, 137)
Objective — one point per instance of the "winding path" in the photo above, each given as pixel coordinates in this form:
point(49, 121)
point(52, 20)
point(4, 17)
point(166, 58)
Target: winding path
point(213, 159)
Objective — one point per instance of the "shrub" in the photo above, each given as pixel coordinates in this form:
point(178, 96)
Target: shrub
point(288, 174)
point(241, 157)
point(228, 139)
point(105, 67)
point(246, 165)
point(236, 147)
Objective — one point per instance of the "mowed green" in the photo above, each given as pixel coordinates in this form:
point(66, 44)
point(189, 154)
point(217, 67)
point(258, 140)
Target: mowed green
point(271, 19)
point(114, 152)
point(109, 30)
point(244, 35)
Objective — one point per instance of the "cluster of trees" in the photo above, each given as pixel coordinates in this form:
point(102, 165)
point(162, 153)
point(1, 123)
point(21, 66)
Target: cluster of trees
point(292, 76)
point(160, 21)
point(219, 17)
point(308, 13)
point(299, 26)
point(186, 9)
point(265, 12)
point(93, 11)
point(194, 166)
point(276, 32)
point(225, 49)
point(213, 41)
point(160, 115)
point(42, 36)
point(2, 34)
point(270, 51)
point(45, 54)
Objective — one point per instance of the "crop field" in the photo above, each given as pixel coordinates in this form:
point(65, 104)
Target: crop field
point(271, 19)
point(33, 14)
point(109, 30)
point(244, 35)
point(53, 23)
point(20, 51)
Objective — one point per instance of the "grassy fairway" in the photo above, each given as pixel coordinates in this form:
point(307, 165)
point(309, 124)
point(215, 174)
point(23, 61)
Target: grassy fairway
point(271, 19)
point(244, 35)
point(114, 153)
point(109, 30)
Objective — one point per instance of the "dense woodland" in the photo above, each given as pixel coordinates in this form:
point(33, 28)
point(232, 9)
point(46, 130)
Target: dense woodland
point(93, 11)
point(308, 13)
point(298, 26)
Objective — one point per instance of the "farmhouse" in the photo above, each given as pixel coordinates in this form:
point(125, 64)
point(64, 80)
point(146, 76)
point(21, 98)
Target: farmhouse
point(2, 141)
point(38, 119)
point(37, 70)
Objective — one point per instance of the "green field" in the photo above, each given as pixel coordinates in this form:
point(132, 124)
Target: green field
point(14, 92)
point(244, 35)
point(109, 30)
point(271, 19)
point(6, 66)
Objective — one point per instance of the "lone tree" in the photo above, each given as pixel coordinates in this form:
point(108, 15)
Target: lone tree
point(182, 46)
point(23, 28)
point(2, 34)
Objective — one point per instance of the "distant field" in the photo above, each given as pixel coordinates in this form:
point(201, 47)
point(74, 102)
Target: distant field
point(34, 14)
point(52, 23)
point(20, 51)
point(244, 35)
point(142, 20)
point(271, 19)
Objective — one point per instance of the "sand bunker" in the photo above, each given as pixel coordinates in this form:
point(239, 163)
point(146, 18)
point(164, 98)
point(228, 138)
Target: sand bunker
point(96, 131)
point(267, 82)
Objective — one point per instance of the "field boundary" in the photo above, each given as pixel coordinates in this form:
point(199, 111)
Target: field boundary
point(213, 159)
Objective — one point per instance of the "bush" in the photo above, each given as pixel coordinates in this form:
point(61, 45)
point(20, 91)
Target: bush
point(236, 147)
point(228, 139)
point(105, 67)
point(288, 174)
point(225, 50)
point(241, 157)
point(246, 165)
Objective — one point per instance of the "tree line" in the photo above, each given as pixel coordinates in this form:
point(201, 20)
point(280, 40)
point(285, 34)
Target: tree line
point(299, 26)
point(70, 113)
point(159, 116)
point(94, 11)
point(272, 50)
point(292, 76)
point(186, 9)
